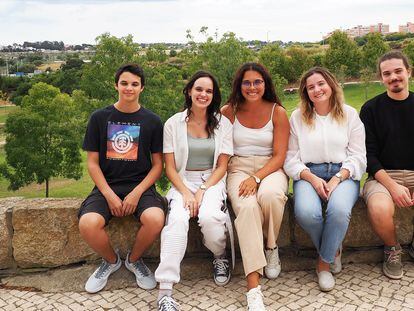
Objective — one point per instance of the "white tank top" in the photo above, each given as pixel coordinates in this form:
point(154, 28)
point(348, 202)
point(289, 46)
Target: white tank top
point(248, 141)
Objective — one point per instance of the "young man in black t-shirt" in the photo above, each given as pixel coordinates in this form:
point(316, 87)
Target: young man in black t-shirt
point(389, 127)
point(124, 145)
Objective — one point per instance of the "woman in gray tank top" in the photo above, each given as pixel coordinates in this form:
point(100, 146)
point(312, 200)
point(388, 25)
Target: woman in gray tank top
point(197, 145)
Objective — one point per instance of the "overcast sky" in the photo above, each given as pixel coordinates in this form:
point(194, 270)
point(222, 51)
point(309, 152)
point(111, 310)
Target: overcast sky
point(77, 21)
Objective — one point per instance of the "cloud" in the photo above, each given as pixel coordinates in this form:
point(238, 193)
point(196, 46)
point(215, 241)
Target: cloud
point(76, 21)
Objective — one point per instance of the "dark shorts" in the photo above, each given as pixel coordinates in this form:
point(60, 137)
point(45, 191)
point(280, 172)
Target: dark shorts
point(96, 202)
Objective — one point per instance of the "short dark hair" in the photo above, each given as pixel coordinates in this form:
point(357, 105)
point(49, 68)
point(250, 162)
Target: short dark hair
point(391, 55)
point(236, 97)
point(131, 68)
point(213, 110)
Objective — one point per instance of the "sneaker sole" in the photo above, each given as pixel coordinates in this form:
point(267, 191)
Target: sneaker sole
point(392, 276)
point(272, 277)
point(224, 283)
point(106, 281)
point(141, 285)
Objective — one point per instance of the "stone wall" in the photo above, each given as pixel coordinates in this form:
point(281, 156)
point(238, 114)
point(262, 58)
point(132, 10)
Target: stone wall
point(43, 233)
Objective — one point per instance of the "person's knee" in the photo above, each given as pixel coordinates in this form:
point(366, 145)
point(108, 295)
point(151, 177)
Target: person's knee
point(276, 198)
point(308, 216)
point(380, 207)
point(153, 218)
point(178, 216)
point(341, 213)
point(90, 223)
point(248, 209)
point(211, 219)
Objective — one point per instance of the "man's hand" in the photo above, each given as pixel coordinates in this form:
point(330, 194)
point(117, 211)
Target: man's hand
point(401, 195)
point(115, 204)
point(130, 203)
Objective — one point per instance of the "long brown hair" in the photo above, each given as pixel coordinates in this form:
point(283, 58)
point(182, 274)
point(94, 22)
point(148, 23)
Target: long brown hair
point(213, 110)
point(236, 97)
point(336, 101)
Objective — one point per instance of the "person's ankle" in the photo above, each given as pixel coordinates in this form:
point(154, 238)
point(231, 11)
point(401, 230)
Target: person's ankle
point(164, 292)
point(322, 265)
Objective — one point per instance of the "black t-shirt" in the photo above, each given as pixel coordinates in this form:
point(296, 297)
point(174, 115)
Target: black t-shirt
point(389, 127)
point(124, 141)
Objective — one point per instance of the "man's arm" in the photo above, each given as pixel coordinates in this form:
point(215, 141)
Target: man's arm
point(114, 202)
point(400, 194)
point(131, 200)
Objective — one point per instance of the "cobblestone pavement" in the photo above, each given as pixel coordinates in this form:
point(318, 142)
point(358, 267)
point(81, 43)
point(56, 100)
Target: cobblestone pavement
point(358, 287)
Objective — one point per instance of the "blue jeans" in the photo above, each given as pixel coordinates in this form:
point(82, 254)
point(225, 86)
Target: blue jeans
point(327, 235)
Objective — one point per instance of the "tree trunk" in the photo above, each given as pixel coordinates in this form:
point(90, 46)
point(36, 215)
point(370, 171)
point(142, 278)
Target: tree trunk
point(47, 187)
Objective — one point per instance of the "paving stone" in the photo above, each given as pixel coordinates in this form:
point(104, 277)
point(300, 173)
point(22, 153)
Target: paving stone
point(359, 287)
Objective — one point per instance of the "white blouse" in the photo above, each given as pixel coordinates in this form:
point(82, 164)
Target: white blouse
point(327, 141)
point(175, 140)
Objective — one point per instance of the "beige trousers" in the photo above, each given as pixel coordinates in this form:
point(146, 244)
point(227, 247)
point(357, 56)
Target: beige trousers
point(258, 216)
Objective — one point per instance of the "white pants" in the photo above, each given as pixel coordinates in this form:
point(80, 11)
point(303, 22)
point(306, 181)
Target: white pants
point(211, 219)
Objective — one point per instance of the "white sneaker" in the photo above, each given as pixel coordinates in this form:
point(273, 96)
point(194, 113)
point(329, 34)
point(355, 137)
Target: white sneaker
point(167, 303)
point(145, 278)
point(326, 280)
point(336, 266)
point(99, 278)
point(255, 300)
point(272, 269)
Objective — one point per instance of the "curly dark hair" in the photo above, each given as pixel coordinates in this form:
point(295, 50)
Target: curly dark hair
point(213, 110)
point(236, 97)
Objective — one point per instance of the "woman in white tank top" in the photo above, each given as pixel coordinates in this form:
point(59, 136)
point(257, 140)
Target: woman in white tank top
point(256, 182)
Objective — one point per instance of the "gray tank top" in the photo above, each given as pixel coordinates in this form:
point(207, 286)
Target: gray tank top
point(200, 153)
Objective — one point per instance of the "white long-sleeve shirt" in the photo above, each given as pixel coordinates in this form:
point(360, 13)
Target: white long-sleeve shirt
point(326, 142)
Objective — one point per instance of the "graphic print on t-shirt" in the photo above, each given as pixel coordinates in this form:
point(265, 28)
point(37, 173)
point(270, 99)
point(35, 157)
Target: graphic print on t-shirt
point(122, 143)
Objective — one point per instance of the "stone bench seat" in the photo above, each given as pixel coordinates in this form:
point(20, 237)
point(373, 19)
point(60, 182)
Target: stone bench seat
point(43, 233)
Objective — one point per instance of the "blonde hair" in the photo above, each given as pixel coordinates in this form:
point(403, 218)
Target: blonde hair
point(336, 101)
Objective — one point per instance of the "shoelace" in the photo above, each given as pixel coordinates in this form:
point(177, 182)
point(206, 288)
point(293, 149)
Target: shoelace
point(102, 269)
point(221, 266)
point(394, 256)
point(141, 267)
point(168, 304)
point(273, 258)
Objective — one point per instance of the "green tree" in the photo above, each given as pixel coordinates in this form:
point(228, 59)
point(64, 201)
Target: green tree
point(156, 53)
point(409, 51)
point(298, 61)
point(343, 53)
point(372, 50)
point(111, 52)
point(367, 75)
point(273, 57)
point(73, 63)
point(42, 139)
point(22, 90)
point(222, 58)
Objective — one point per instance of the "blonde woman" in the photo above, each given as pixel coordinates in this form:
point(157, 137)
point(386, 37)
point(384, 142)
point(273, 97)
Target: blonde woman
point(326, 159)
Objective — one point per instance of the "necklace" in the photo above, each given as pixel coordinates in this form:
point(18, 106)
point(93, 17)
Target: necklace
point(198, 122)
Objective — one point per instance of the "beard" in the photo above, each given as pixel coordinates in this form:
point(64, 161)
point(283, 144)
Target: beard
point(397, 88)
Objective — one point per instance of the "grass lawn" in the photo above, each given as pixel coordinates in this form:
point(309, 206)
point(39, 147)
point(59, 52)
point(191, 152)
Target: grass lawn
point(4, 111)
point(60, 187)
